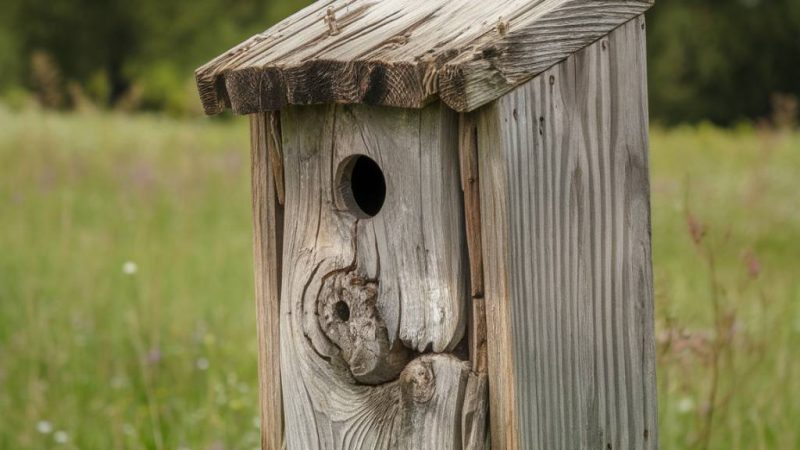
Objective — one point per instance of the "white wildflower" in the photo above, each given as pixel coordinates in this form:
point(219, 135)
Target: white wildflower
point(44, 427)
point(685, 405)
point(130, 268)
point(201, 364)
point(61, 437)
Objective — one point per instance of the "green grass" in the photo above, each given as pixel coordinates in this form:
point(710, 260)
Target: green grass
point(165, 358)
point(727, 299)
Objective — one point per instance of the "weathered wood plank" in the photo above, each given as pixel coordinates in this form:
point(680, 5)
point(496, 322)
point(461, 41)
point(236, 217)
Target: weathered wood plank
point(405, 52)
point(275, 149)
point(566, 225)
point(363, 294)
point(475, 418)
point(537, 38)
point(468, 159)
point(494, 233)
point(475, 414)
point(267, 244)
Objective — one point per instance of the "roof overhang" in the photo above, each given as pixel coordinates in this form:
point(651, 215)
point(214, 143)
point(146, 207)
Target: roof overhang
point(405, 53)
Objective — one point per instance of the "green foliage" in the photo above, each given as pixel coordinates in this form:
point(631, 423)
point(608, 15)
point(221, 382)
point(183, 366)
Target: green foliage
point(148, 45)
point(160, 357)
point(10, 56)
point(721, 60)
point(717, 60)
point(725, 233)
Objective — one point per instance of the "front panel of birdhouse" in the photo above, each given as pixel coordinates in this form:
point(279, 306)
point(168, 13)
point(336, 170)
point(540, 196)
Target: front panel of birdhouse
point(374, 279)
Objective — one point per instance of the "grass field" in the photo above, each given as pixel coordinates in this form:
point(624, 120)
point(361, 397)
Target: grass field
point(126, 310)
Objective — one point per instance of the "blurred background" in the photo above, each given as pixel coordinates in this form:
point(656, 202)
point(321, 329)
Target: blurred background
point(126, 293)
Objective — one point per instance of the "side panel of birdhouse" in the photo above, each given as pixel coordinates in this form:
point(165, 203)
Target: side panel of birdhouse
point(565, 200)
point(267, 186)
point(375, 280)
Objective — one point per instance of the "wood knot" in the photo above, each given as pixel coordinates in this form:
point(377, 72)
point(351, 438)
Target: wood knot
point(418, 381)
point(348, 315)
point(330, 19)
point(502, 26)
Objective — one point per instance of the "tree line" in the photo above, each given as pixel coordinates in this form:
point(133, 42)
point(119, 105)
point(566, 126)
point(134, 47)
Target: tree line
point(717, 60)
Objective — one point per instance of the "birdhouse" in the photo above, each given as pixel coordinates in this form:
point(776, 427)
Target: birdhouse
point(452, 223)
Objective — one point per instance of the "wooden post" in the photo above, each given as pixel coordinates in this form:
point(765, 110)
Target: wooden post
point(452, 230)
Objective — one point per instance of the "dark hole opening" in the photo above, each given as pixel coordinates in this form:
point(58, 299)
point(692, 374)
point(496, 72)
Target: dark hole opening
point(368, 185)
point(342, 311)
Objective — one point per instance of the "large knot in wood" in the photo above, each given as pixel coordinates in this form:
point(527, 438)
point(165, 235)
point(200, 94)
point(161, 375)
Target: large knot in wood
point(349, 317)
point(418, 381)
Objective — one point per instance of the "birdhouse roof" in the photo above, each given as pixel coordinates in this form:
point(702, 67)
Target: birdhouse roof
point(405, 52)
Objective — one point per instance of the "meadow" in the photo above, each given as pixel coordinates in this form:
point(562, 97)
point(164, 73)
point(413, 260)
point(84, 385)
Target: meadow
point(126, 293)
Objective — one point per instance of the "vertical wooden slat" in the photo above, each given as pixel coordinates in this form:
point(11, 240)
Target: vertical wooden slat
point(475, 415)
point(468, 165)
point(468, 162)
point(267, 249)
point(567, 268)
point(494, 239)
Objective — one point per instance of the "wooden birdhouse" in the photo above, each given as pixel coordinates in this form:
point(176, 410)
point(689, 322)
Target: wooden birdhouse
point(452, 223)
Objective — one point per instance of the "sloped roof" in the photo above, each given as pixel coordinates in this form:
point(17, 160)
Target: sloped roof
point(405, 52)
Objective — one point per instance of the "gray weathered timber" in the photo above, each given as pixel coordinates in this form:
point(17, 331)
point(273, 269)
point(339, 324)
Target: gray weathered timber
point(496, 303)
point(475, 418)
point(405, 52)
point(475, 413)
point(567, 259)
point(267, 243)
point(355, 380)
point(468, 160)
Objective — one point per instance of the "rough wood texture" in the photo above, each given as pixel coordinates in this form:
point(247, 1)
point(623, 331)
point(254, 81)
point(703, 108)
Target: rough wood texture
point(405, 52)
point(494, 231)
point(475, 414)
point(362, 296)
point(566, 226)
point(275, 149)
point(267, 244)
point(475, 419)
point(468, 159)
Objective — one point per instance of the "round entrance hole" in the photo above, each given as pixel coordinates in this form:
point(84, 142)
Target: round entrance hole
point(361, 185)
point(342, 311)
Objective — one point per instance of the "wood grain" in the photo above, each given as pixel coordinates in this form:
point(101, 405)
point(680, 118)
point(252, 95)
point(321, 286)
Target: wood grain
point(405, 52)
point(363, 296)
point(495, 234)
point(468, 161)
point(475, 414)
point(566, 224)
point(475, 418)
point(275, 149)
point(267, 245)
